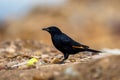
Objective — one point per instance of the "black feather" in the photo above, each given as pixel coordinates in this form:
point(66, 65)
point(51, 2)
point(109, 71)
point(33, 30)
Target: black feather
point(65, 44)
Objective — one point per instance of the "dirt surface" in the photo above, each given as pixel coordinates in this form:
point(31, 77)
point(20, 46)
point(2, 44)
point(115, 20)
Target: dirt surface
point(26, 52)
point(15, 55)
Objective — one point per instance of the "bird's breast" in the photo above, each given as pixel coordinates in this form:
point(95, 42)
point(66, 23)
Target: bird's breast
point(56, 41)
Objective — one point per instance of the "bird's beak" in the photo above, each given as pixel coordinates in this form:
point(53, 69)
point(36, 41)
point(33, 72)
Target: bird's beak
point(46, 29)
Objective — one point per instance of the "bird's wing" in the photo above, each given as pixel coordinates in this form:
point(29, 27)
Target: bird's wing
point(81, 46)
point(65, 40)
point(78, 45)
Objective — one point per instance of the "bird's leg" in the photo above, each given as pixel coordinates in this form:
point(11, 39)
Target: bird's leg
point(65, 57)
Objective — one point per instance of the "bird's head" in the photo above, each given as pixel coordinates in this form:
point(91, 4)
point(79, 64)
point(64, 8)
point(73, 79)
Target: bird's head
point(53, 30)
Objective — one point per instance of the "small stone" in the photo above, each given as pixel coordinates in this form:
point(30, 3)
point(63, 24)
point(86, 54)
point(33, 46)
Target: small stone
point(44, 56)
point(72, 60)
point(37, 53)
point(59, 56)
point(10, 55)
point(10, 50)
point(46, 61)
point(55, 60)
point(23, 67)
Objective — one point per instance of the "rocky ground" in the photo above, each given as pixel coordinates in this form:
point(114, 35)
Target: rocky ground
point(27, 59)
point(32, 60)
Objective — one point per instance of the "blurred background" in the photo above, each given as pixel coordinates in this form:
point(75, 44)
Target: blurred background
point(92, 22)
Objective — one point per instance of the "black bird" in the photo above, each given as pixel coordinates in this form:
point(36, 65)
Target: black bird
point(65, 44)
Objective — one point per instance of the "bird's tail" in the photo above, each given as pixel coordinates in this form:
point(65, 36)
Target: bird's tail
point(94, 51)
